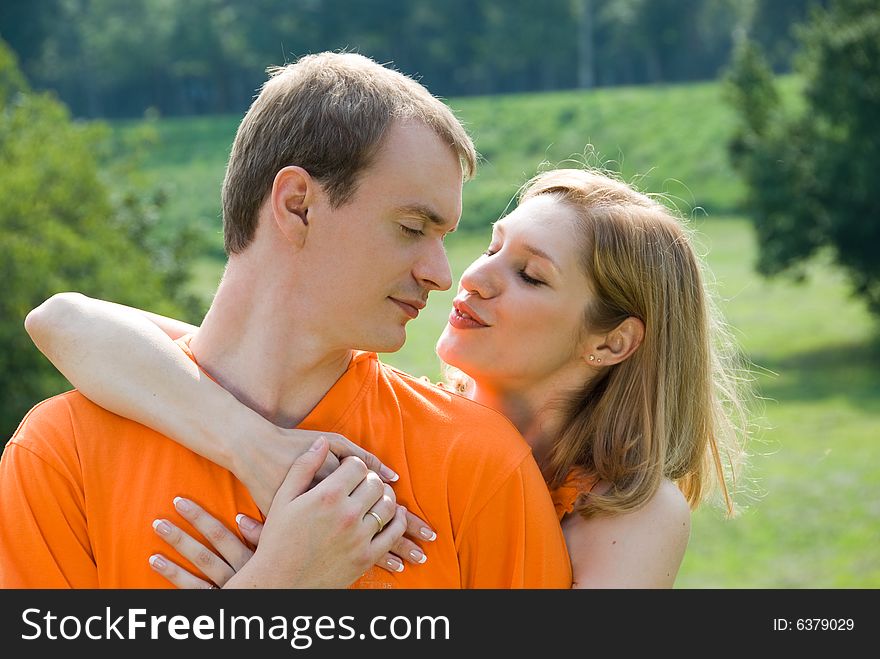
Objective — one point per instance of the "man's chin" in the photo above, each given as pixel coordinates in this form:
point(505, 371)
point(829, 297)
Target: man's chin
point(387, 343)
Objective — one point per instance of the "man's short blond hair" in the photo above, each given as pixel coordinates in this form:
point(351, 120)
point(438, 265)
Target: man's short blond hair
point(327, 113)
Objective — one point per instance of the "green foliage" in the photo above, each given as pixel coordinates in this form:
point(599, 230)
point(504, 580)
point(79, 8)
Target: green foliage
point(811, 172)
point(68, 222)
point(111, 58)
point(12, 82)
point(773, 28)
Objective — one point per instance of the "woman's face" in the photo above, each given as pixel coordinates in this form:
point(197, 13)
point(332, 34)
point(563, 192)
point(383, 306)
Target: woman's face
point(518, 316)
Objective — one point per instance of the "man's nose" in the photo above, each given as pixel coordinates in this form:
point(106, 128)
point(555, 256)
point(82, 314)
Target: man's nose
point(433, 269)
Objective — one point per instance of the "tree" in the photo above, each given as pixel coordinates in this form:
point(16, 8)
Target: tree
point(772, 27)
point(107, 58)
point(811, 172)
point(68, 221)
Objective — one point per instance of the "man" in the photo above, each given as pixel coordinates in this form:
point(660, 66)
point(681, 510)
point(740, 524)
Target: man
point(343, 180)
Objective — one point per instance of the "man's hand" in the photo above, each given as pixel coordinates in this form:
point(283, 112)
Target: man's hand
point(324, 537)
point(263, 461)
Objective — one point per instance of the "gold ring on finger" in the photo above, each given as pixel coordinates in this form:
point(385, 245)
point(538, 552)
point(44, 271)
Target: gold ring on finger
point(378, 519)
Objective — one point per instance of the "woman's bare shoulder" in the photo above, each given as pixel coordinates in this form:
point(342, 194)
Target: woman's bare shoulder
point(638, 549)
point(669, 503)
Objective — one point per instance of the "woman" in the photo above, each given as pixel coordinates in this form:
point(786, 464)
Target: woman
point(586, 322)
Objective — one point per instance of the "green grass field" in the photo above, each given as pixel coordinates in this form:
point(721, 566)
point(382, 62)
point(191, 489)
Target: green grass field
point(668, 139)
point(811, 514)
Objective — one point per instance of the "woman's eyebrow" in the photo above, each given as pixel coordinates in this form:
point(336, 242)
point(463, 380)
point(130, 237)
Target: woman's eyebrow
point(541, 254)
point(498, 228)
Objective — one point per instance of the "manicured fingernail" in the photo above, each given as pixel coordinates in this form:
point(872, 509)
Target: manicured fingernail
point(389, 474)
point(427, 533)
point(161, 527)
point(418, 556)
point(182, 504)
point(245, 522)
point(157, 562)
point(397, 566)
point(317, 443)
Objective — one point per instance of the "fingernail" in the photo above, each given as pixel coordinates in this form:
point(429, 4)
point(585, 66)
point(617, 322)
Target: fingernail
point(418, 556)
point(182, 504)
point(397, 566)
point(317, 443)
point(427, 533)
point(388, 473)
point(157, 562)
point(161, 527)
point(245, 522)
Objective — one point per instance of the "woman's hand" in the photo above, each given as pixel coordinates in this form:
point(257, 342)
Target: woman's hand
point(263, 460)
point(326, 537)
point(219, 569)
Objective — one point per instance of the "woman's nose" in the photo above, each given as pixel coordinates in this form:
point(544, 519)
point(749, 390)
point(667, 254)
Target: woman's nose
point(480, 278)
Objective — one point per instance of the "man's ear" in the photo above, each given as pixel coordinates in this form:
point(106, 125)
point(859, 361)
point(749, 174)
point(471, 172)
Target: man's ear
point(617, 345)
point(293, 191)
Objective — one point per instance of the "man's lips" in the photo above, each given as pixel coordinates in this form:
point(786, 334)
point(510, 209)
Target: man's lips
point(409, 307)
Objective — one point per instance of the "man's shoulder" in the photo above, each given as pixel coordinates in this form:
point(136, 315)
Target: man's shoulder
point(438, 409)
point(443, 402)
point(52, 412)
point(47, 430)
point(60, 420)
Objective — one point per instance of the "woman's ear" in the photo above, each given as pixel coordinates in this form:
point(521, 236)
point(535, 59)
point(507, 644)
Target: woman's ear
point(618, 344)
point(292, 193)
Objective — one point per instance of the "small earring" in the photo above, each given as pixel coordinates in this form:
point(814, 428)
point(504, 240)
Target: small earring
point(592, 358)
point(598, 361)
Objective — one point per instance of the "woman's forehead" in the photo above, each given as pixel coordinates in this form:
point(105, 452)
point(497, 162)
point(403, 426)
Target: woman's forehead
point(546, 225)
point(540, 216)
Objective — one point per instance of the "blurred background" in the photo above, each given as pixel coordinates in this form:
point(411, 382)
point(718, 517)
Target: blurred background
point(758, 120)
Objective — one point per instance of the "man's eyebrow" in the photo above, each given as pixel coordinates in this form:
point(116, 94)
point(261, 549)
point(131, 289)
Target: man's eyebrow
point(425, 213)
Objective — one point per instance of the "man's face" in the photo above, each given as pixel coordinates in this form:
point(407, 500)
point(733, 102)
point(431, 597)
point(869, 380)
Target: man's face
point(374, 260)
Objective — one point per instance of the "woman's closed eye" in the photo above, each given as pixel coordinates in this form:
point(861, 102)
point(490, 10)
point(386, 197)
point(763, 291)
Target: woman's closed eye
point(528, 279)
point(531, 281)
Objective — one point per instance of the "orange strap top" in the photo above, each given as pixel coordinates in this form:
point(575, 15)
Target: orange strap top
point(577, 482)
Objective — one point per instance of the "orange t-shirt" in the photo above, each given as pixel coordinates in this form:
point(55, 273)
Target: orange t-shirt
point(81, 486)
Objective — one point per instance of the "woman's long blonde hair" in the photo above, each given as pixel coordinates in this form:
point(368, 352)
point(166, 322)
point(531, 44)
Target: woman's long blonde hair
point(676, 408)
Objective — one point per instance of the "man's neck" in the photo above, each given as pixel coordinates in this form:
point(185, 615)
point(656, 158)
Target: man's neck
point(279, 369)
